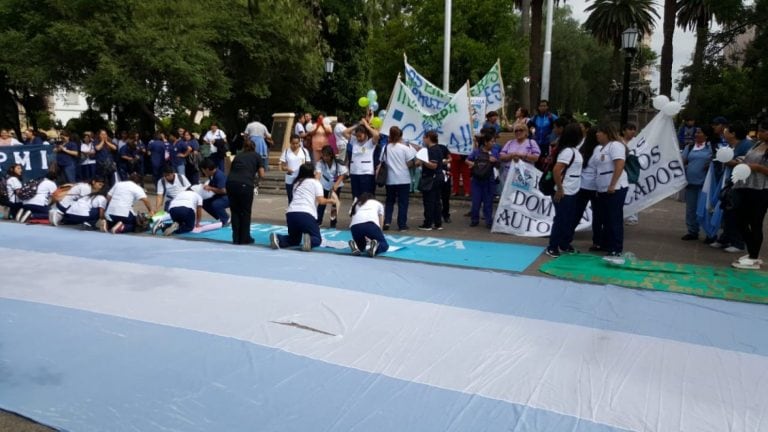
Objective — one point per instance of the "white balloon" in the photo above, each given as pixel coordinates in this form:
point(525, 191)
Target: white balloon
point(671, 109)
point(659, 102)
point(740, 172)
point(724, 154)
point(310, 127)
point(383, 113)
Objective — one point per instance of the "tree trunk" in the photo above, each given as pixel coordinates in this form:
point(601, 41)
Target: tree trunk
point(702, 33)
point(665, 70)
point(525, 31)
point(536, 52)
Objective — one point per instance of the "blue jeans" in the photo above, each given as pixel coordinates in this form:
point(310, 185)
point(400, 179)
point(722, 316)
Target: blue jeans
point(400, 193)
point(372, 231)
point(185, 217)
point(262, 149)
point(482, 193)
point(300, 223)
point(692, 193)
point(564, 223)
point(289, 192)
point(217, 207)
point(362, 183)
point(87, 171)
point(181, 169)
point(612, 208)
point(70, 173)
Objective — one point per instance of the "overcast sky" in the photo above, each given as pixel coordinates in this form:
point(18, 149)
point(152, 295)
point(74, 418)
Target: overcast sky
point(683, 44)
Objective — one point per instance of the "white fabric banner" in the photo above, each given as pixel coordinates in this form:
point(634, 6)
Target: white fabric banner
point(478, 109)
point(661, 167)
point(432, 98)
point(452, 123)
point(524, 211)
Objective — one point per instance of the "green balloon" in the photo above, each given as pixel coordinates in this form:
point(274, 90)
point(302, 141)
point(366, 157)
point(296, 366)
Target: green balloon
point(376, 122)
point(363, 102)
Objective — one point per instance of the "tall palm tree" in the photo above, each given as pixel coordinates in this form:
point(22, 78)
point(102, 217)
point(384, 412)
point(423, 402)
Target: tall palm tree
point(698, 15)
point(665, 67)
point(609, 18)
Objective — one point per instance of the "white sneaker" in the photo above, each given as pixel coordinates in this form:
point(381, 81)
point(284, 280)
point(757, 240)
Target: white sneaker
point(25, 216)
point(306, 242)
point(733, 249)
point(171, 229)
point(157, 226)
point(716, 245)
point(274, 241)
point(55, 217)
point(746, 260)
point(748, 264)
point(101, 225)
point(354, 248)
point(118, 228)
point(372, 247)
point(19, 213)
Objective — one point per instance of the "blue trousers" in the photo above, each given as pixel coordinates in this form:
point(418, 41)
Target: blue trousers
point(612, 208)
point(70, 219)
point(298, 224)
point(482, 193)
point(217, 207)
point(692, 193)
point(14, 208)
point(38, 212)
point(181, 169)
point(321, 208)
point(372, 231)
point(399, 193)
point(87, 171)
point(362, 183)
point(129, 222)
point(563, 225)
point(583, 198)
point(70, 173)
point(289, 192)
point(185, 217)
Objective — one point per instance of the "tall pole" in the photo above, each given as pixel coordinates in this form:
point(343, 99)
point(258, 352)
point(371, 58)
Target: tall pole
point(625, 89)
point(546, 64)
point(525, 30)
point(447, 48)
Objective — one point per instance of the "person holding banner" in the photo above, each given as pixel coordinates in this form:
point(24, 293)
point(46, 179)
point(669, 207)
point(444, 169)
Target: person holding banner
point(612, 186)
point(363, 157)
point(567, 176)
point(7, 140)
point(521, 148)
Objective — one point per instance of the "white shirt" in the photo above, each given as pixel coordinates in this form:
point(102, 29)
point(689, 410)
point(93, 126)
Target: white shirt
point(212, 136)
point(87, 148)
point(124, 195)
point(329, 174)
point(14, 142)
point(293, 161)
point(305, 197)
point(572, 175)
point(189, 199)
point(368, 212)
point(75, 193)
point(397, 156)
point(172, 189)
point(603, 158)
point(45, 189)
point(341, 140)
point(257, 129)
point(361, 162)
point(12, 185)
point(299, 129)
point(83, 206)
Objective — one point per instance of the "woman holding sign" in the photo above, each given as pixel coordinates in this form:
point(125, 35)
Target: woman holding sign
point(612, 186)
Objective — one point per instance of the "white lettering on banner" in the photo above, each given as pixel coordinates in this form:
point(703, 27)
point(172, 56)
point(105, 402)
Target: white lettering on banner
point(3, 159)
point(452, 122)
point(525, 211)
point(44, 158)
point(25, 161)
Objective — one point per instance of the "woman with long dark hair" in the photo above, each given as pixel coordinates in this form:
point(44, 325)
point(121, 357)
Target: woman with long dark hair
point(240, 183)
point(612, 186)
point(301, 215)
point(588, 190)
point(752, 200)
point(12, 185)
point(567, 176)
point(367, 218)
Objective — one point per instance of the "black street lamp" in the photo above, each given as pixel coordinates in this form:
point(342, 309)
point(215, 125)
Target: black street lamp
point(629, 40)
point(329, 63)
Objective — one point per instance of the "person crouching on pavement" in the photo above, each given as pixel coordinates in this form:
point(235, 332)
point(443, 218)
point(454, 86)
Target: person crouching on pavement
point(367, 219)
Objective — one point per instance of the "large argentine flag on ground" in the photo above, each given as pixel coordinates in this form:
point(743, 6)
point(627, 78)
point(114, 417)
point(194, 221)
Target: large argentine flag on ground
point(135, 333)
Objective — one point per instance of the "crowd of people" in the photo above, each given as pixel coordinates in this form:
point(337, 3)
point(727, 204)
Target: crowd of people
point(100, 179)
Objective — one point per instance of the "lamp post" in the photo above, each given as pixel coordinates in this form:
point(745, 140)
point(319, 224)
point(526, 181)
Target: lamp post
point(329, 63)
point(629, 44)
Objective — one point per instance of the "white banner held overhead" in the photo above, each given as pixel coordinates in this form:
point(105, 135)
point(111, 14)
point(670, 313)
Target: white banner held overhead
point(452, 123)
point(491, 87)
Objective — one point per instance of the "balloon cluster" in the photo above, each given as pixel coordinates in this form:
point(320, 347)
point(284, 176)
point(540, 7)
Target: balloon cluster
point(663, 104)
point(370, 101)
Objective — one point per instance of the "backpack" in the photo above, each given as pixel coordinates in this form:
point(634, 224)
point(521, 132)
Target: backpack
point(482, 169)
point(547, 180)
point(5, 199)
point(28, 190)
point(632, 167)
